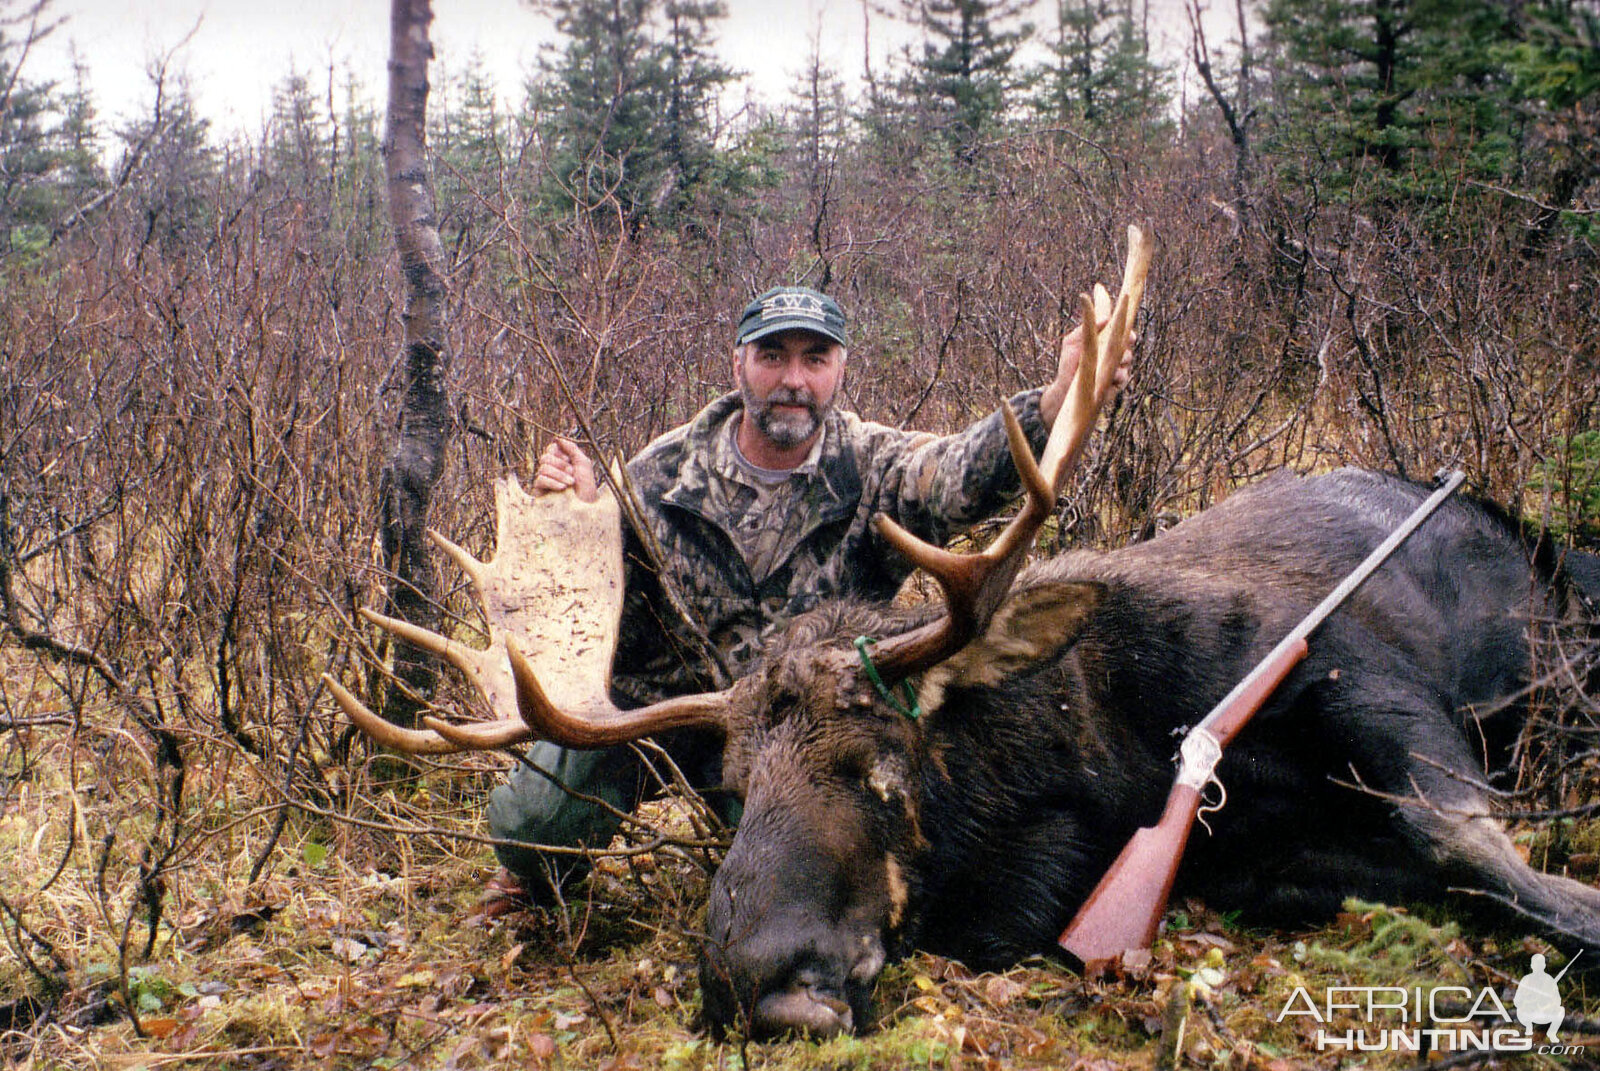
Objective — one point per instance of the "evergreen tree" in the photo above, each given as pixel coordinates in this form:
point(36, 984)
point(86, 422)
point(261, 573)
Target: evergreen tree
point(960, 83)
point(172, 191)
point(1553, 67)
point(1388, 88)
point(817, 119)
point(467, 137)
point(1101, 73)
point(626, 104)
point(692, 79)
point(299, 139)
point(78, 175)
point(48, 163)
point(360, 195)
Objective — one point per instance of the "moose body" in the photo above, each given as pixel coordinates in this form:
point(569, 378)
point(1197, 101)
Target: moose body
point(978, 830)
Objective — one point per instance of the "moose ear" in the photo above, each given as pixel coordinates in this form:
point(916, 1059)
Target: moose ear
point(1033, 625)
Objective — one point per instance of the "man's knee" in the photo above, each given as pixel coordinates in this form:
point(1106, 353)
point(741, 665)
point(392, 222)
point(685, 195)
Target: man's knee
point(563, 798)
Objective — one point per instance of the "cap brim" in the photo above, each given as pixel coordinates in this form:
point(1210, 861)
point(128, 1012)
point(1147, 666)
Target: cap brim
point(772, 327)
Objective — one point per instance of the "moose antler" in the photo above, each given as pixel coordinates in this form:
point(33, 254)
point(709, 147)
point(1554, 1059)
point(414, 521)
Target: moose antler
point(974, 585)
point(552, 597)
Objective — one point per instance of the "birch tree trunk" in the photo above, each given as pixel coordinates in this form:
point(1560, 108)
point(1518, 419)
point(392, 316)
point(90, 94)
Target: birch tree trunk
point(407, 482)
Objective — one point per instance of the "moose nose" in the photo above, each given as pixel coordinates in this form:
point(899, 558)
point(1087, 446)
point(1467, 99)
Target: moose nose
point(804, 1005)
point(818, 995)
point(793, 933)
point(789, 975)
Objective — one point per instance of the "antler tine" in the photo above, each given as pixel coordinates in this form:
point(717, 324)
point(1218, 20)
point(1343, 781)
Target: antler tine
point(1102, 302)
point(476, 571)
point(464, 658)
point(387, 734)
point(1082, 405)
point(479, 666)
point(597, 722)
point(475, 664)
point(480, 736)
point(975, 584)
point(1136, 270)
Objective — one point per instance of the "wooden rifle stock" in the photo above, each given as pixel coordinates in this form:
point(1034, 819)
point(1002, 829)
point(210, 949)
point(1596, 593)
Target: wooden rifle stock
point(1124, 910)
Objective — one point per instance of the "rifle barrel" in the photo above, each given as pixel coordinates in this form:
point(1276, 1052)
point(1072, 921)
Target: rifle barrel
point(1328, 605)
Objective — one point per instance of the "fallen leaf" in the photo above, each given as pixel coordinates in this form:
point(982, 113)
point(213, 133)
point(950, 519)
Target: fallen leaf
point(1034, 1042)
point(627, 1062)
point(1135, 960)
point(1001, 991)
point(348, 948)
point(1211, 940)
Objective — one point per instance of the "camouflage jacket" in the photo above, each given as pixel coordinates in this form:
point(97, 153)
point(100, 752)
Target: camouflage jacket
point(813, 531)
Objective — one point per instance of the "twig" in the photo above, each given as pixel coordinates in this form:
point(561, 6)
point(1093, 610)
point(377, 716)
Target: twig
point(1527, 199)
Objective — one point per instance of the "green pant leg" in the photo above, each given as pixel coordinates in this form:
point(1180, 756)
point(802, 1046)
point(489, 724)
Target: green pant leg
point(534, 809)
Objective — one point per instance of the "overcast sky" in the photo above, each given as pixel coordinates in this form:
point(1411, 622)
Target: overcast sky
point(240, 49)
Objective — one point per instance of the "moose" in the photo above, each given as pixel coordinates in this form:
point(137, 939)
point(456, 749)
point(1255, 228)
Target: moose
point(957, 777)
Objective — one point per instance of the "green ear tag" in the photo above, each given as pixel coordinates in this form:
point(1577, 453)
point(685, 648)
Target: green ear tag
point(909, 707)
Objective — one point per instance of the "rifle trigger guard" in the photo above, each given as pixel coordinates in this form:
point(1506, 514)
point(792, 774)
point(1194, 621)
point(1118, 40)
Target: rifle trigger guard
point(1198, 758)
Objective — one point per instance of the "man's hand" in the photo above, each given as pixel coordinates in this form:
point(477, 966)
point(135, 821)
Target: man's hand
point(564, 467)
point(1071, 354)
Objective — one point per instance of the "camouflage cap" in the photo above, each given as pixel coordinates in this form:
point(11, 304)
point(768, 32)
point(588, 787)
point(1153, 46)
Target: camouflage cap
point(787, 307)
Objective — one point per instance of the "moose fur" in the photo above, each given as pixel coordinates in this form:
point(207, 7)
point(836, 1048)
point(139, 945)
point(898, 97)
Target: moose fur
point(978, 829)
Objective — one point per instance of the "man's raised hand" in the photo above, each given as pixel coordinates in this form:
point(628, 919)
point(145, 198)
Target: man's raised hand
point(565, 467)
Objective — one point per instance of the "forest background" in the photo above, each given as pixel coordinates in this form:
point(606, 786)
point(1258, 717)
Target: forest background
point(1376, 227)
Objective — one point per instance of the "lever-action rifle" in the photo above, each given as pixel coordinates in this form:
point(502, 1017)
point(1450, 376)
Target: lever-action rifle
point(1123, 911)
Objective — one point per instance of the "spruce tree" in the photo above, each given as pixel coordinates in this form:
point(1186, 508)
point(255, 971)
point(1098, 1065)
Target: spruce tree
point(625, 103)
point(1100, 73)
point(1394, 91)
point(48, 160)
point(1553, 72)
point(960, 84)
point(172, 190)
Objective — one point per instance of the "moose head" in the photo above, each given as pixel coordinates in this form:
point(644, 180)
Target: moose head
point(820, 886)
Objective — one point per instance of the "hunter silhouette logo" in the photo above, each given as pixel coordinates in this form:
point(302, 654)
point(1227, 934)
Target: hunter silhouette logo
point(1537, 1000)
point(806, 305)
point(1423, 1018)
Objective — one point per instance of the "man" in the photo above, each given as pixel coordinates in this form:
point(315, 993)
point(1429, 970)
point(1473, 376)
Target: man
point(758, 510)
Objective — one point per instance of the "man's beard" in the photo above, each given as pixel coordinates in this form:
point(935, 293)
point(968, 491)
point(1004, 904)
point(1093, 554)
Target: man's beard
point(789, 428)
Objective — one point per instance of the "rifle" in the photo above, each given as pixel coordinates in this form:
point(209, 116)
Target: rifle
point(1123, 911)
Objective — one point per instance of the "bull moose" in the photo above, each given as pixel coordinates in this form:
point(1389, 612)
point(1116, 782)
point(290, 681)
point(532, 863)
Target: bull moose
point(956, 777)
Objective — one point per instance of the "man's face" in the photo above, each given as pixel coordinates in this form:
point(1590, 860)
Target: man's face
point(788, 381)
